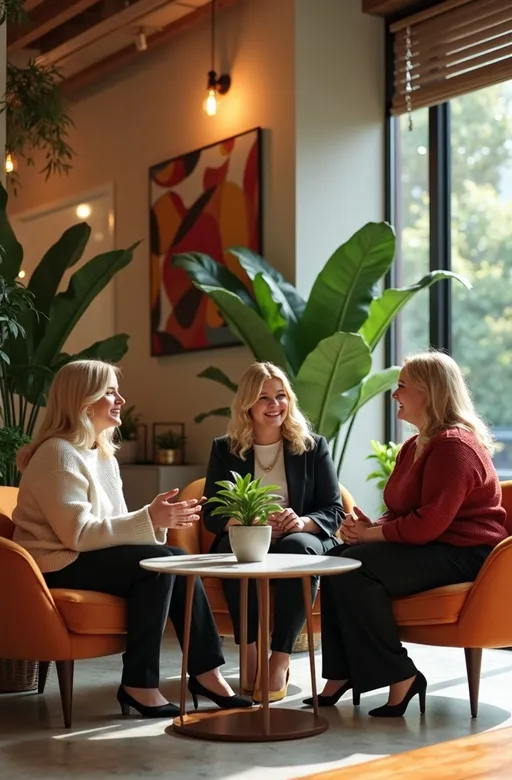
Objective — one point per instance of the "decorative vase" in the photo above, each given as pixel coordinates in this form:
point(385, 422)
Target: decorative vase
point(168, 457)
point(128, 451)
point(250, 543)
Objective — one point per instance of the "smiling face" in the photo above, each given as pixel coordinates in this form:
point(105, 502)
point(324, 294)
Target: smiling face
point(270, 411)
point(411, 401)
point(106, 413)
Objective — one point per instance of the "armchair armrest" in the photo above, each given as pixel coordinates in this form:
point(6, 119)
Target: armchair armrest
point(31, 626)
point(486, 619)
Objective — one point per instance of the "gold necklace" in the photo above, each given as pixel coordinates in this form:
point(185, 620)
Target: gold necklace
point(266, 469)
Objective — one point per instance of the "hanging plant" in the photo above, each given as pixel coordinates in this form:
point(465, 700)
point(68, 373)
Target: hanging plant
point(37, 119)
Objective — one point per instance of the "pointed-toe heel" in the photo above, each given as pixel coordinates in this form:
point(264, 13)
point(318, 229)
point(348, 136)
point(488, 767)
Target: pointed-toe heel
point(224, 702)
point(330, 701)
point(272, 695)
point(127, 702)
point(418, 688)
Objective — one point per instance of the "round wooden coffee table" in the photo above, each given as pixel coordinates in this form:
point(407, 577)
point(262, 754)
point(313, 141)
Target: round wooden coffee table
point(264, 723)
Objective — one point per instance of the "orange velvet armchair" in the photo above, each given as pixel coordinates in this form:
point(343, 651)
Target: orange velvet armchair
point(51, 625)
point(469, 615)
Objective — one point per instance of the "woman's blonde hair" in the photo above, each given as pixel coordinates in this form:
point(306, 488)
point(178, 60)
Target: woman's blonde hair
point(75, 387)
point(295, 428)
point(448, 400)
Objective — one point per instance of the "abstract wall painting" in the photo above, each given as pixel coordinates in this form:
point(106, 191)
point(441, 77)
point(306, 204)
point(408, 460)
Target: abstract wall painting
point(204, 201)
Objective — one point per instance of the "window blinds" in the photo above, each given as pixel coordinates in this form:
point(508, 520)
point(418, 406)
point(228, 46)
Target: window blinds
point(454, 47)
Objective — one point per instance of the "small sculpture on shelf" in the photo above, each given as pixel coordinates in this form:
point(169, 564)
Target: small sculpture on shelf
point(170, 444)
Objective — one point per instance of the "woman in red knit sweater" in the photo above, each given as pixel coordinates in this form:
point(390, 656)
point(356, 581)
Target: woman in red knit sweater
point(443, 518)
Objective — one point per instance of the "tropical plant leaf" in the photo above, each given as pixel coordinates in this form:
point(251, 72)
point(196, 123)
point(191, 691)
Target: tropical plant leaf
point(254, 264)
point(343, 290)
point(217, 375)
point(271, 310)
point(338, 364)
point(210, 276)
point(375, 384)
point(11, 251)
point(47, 277)
point(69, 306)
point(223, 411)
point(247, 325)
point(384, 309)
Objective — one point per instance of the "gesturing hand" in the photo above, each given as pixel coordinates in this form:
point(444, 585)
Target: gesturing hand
point(180, 514)
point(285, 522)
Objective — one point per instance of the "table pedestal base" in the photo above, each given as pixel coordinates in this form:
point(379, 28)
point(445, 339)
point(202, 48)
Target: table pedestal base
point(247, 725)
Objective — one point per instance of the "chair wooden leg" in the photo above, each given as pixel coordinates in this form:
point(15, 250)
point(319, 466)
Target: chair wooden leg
point(42, 675)
point(356, 698)
point(65, 674)
point(473, 666)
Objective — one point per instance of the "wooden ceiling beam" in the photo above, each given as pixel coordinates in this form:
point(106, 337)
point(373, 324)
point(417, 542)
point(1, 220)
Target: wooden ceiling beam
point(96, 73)
point(43, 19)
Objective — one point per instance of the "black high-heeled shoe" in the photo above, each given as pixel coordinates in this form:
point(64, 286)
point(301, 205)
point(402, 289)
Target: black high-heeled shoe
point(162, 711)
point(224, 702)
point(330, 701)
point(418, 688)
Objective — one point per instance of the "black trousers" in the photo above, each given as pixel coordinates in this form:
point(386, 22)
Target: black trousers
point(151, 598)
point(360, 639)
point(289, 612)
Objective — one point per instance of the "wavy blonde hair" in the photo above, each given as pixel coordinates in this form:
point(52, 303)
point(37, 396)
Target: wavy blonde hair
point(295, 428)
point(448, 400)
point(75, 387)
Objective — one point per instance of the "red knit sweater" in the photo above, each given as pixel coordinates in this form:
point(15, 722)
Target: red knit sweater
point(451, 494)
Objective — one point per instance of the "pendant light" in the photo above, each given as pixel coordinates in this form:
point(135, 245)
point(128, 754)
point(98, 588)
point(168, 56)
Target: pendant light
point(215, 85)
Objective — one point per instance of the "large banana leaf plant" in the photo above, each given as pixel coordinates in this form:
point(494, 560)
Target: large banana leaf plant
point(32, 360)
point(324, 343)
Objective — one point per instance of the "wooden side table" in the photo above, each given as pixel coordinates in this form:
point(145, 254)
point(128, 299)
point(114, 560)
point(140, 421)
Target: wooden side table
point(263, 723)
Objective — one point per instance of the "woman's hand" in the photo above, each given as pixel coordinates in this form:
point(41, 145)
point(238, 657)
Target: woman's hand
point(181, 514)
point(354, 526)
point(286, 522)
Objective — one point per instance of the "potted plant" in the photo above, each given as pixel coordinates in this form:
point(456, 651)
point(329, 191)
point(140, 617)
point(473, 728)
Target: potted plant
point(250, 503)
point(128, 434)
point(385, 455)
point(170, 447)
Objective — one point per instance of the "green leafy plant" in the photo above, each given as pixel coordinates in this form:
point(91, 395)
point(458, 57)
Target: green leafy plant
point(30, 362)
point(245, 499)
point(14, 300)
point(169, 441)
point(325, 343)
point(11, 439)
point(37, 118)
point(385, 455)
point(129, 424)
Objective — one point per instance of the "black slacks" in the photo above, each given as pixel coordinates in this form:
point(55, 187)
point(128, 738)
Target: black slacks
point(289, 612)
point(360, 639)
point(151, 597)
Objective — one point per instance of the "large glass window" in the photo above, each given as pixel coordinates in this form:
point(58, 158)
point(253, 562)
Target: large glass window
point(478, 142)
point(481, 236)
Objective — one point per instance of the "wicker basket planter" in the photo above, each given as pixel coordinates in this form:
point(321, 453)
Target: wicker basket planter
point(301, 643)
point(18, 676)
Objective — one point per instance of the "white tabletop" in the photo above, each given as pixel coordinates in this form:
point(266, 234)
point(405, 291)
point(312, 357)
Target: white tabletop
point(274, 565)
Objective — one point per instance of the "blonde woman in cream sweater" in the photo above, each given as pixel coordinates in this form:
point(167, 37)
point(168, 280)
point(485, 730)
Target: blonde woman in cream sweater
point(72, 517)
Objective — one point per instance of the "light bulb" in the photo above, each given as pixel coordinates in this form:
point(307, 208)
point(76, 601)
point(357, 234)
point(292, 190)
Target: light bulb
point(9, 163)
point(210, 104)
point(83, 211)
point(22, 274)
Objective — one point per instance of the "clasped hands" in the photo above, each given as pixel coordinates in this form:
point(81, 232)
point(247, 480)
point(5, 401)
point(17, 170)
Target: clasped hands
point(166, 513)
point(284, 522)
point(354, 527)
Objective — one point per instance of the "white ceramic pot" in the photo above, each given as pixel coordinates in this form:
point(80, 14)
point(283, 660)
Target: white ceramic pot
point(250, 544)
point(128, 451)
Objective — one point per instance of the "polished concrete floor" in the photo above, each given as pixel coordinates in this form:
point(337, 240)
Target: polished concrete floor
point(102, 744)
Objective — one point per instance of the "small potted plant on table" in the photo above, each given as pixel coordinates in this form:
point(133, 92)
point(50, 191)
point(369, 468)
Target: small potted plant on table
point(170, 448)
point(250, 503)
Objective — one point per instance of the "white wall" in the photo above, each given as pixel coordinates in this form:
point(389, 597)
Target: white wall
point(339, 80)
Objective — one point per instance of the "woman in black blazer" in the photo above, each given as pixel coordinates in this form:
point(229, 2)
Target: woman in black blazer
point(269, 437)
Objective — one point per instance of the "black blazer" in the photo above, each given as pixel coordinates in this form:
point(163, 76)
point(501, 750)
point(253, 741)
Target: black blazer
point(313, 489)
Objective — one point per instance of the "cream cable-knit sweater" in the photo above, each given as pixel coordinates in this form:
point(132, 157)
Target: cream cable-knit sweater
point(71, 501)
